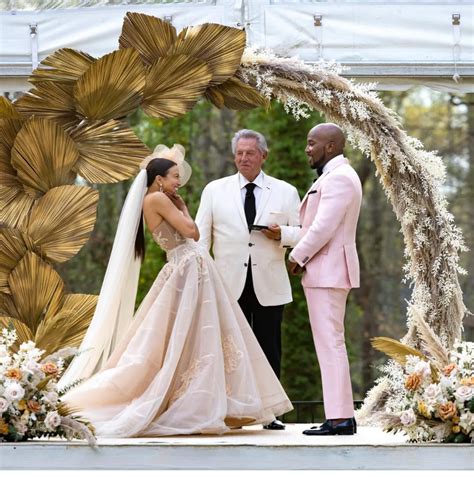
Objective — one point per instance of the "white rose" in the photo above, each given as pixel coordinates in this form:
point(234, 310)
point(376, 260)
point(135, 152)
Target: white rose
point(3, 405)
point(433, 394)
point(467, 421)
point(408, 418)
point(51, 397)
point(3, 351)
point(423, 368)
point(463, 393)
point(33, 367)
point(52, 420)
point(14, 392)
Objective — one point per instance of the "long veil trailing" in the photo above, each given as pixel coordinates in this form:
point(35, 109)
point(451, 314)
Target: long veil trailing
point(115, 306)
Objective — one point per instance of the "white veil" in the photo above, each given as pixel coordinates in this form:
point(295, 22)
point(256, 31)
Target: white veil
point(115, 307)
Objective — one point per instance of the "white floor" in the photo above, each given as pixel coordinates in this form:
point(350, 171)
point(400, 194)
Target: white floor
point(248, 448)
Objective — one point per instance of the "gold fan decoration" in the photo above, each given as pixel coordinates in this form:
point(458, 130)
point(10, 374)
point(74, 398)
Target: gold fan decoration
point(73, 122)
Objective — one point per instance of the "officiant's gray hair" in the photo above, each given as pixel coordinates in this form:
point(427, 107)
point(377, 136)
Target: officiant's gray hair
point(250, 134)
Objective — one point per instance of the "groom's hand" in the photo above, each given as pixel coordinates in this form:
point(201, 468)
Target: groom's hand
point(294, 268)
point(273, 232)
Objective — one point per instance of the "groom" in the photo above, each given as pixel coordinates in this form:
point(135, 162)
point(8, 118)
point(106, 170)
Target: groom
point(327, 254)
point(251, 260)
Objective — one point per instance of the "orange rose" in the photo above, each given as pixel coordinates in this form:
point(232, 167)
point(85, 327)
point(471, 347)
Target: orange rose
point(413, 381)
point(447, 411)
point(14, 373)
point(447, 370)
point(3, 427)
point(49, 368)
point(34, 406)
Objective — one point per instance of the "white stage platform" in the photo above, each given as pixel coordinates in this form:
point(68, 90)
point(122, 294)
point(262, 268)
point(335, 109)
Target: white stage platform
point(248, 448)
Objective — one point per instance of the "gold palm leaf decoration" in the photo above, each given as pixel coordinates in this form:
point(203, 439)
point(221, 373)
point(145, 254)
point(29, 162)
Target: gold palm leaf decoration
point(396, 350)
point(50, 100)
point(221, 47)
point(173, 85)
point(64, 66)
point(13, 246)
point(112, 87)
point(7, 110)
point(399, 353)
point(43, 155)
point(234, 94)
point(62, 220)
point(108, 151)
point(9, 128)
point(150, 36)
point(66, 328)
point(36, 290)
point(15, 204)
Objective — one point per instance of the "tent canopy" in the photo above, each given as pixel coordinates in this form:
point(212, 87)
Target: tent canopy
point(396, 43)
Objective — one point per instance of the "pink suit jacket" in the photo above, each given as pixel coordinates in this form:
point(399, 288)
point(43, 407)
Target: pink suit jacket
point(328, 216)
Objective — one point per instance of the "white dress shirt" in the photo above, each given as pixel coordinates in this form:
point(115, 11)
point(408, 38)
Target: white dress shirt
point(257, 192)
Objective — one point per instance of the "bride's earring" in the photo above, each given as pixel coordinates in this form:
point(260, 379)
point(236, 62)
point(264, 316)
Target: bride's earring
point(161, 186)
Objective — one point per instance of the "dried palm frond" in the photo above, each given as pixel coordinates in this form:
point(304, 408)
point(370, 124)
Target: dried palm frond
point(150, 36)
point(36, 289)
point(112, 87)
point(15, 206)
point(9, 128)
point(43, 155)
point(67, 327)
point(221, 47)
point(395, 350)
point(78, 429)
point(13, 246)
point(173, 85)
point(108, 151)
point(64, 65)
point(430, 343)
point(62, 220)
point(50, 100)
point(23, 333)
point(7, 110)
point(234, 94)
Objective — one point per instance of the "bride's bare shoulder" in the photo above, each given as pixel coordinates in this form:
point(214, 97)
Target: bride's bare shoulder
point(156, 198)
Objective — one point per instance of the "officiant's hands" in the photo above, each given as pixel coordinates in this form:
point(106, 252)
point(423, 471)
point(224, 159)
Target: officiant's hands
point(273, 232)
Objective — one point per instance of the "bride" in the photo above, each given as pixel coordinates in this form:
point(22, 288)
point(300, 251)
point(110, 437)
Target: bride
point(188, 362)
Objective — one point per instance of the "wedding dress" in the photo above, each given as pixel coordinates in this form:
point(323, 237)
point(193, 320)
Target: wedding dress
point(189, 362)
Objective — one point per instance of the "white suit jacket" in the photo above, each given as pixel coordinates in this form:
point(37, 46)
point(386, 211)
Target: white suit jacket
point(222, 224)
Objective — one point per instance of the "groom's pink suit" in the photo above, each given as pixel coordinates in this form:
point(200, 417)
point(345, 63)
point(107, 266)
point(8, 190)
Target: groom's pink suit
point(327, 249)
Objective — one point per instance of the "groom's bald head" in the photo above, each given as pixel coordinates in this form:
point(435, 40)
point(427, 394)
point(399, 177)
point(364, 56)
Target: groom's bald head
point(324, 142)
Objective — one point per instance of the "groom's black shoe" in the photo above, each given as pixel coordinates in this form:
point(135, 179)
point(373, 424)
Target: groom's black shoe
point(275, 425)
point(345, 428)
point(353, 422)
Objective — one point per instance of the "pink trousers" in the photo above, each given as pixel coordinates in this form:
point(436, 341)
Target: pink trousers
point(327, 308)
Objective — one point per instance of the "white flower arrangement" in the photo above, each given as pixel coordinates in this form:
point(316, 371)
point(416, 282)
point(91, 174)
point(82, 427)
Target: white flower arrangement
point(30, 402)
point(430, 403)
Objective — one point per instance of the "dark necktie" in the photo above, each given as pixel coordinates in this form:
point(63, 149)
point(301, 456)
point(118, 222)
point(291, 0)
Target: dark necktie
point(319, 170)
point(249, 205)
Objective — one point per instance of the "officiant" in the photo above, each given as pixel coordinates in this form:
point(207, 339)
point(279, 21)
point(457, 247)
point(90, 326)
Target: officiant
point(248, 220)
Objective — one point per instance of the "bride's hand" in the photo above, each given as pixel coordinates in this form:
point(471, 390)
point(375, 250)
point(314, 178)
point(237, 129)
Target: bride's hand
point(177, 200)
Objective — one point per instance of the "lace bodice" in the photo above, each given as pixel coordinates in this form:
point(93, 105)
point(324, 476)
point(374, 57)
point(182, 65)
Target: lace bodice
point(167, 237)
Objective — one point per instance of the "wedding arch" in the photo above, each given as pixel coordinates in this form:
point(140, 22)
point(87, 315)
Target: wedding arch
point(72, 123)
